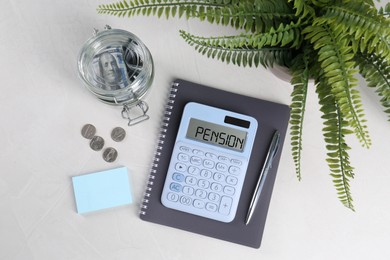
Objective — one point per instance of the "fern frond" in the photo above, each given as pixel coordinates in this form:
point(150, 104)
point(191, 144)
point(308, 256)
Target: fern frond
point(268, 14)
point(368, 2)
point(321, 3)
point(385, 11)
point(236, 49)
point(300, 81)
point(334, 131)
point(157, 7)
point(362, 22)
point(258, 15)
point(285, 35)
point(303, 8)
point(335, 57)
point(376, 71)
point(255, 16)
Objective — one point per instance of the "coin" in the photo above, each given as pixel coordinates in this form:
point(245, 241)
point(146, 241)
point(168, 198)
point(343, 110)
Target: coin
point(96, 143)
point(110, 154)
point(88, 131)
point(118, 134)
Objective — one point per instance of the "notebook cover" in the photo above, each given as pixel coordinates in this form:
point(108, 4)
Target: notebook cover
point(270, 116)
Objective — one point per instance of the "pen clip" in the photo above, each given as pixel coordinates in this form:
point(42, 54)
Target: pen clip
point(274, 147)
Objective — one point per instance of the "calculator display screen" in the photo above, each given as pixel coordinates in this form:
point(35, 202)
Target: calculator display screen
point(215, 134)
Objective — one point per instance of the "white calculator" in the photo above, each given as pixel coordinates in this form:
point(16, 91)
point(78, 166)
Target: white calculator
point(209, 162)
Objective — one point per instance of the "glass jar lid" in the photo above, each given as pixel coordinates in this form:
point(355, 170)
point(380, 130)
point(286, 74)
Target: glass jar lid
point(118, 69)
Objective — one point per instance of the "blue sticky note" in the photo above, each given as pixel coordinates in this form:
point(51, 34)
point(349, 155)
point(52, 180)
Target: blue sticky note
point(102, 190)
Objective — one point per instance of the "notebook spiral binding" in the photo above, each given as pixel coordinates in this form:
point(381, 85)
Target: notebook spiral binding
point(160, 142)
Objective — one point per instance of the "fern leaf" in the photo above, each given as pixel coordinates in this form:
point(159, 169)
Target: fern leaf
point(303, 8)
point(300, 80)
point(334, 131)
point(158, 7)
point(267, 14)
point(285, 35)
point(376, 71)
point(236, 50)
point(258, 15)
point(385, 11)
point(321, 3)
point(336, 61)
point(362, 22)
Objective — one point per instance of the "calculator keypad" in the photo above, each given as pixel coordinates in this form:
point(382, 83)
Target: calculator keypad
point(204, 182)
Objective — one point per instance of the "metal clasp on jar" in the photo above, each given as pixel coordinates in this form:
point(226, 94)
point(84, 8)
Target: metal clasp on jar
point(133, 116)
point(95, 31)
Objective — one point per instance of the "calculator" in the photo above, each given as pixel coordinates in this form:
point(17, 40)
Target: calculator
point(209, 162)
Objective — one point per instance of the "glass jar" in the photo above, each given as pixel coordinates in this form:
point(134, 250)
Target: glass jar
point(118, 69)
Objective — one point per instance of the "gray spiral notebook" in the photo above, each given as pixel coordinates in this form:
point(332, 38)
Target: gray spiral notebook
point(270, 117)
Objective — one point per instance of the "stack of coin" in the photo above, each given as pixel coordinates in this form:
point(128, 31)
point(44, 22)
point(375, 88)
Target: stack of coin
point(97, 142)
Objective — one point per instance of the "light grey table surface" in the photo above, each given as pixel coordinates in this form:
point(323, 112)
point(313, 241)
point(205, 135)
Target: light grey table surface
point(44, 106)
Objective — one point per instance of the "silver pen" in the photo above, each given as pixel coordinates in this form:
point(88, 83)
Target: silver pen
point(272, 150)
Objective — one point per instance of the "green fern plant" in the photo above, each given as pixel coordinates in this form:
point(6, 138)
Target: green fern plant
point(329, 41)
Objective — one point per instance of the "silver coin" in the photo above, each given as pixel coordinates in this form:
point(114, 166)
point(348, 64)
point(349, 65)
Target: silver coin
point(96, 143)
point(88, 131)
point(118, 134)
point(110, 154)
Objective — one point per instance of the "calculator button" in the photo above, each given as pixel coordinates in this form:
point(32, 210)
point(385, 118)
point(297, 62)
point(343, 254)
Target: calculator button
point(206, 174)
point(201, 194)
point(214, 197)
point(196, 160)
point(178, 177)
point(181, 167)
point(203, 184)
point(229, 190)
point(185, 200)
point(185, 149)
point(188, 190)
point(211, 207)
point(234, 170)
point(211, 156)
point(221, 167)
point(175, 187)
point(208, 164)
point(216, 187)
point(191, 180)
point(193, 170)
point(231, 180)
point(198, 204)
point(198, 152)
point(183, 157)
point(223, 159)
point(204, 181)
point(225, 205)
point(172, 196)
point(236, 162)
point(218, 177)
